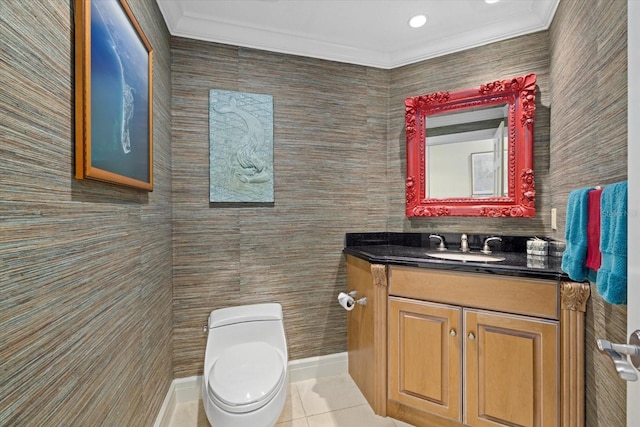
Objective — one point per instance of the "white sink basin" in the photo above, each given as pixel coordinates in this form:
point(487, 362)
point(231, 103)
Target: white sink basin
point(465, 256)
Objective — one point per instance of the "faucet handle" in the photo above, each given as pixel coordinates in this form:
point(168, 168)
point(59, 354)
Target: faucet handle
point(441, 246)
point(485, 248)
point(464, 243)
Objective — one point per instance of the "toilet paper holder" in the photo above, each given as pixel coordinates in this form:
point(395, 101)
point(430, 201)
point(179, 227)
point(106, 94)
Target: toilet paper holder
point(361, 301)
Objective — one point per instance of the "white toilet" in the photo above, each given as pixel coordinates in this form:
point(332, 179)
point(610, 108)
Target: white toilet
point(245, 366)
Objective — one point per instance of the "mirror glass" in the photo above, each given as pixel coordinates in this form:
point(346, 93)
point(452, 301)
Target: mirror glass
point(470, 152)
point(466, 153)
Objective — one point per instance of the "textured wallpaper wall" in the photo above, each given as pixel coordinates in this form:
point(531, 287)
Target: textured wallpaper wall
point(330, 166)
point(85, 267)
point(589, 147)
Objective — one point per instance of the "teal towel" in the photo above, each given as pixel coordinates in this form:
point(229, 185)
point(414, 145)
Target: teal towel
point(575, 254)
point(612, 275)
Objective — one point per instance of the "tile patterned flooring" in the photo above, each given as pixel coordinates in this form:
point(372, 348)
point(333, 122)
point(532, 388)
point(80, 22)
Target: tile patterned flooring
point(324, 402)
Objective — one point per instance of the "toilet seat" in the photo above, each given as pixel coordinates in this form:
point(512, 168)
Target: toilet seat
point(246, 376)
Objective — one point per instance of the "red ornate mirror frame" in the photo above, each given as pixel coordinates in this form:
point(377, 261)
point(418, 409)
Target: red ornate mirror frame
point(519, 95)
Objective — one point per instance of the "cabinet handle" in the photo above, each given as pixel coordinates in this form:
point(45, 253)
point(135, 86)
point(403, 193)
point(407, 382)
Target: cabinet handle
point(452, 332)
point(471, 336)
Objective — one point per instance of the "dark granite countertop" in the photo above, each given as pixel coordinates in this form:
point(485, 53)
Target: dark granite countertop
point(410, 249)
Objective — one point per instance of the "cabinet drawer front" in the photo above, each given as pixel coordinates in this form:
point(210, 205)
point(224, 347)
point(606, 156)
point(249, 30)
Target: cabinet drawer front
point(509, 294)
point(425, 356)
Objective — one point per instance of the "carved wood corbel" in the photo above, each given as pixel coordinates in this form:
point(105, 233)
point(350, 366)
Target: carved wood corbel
point(574, 296)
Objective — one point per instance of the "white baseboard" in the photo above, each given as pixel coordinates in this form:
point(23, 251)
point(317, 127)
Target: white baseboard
point(189, 388)
point(168, 405)
point(318, 367)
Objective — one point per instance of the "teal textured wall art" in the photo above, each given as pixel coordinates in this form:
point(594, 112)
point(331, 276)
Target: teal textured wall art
point(240, 147)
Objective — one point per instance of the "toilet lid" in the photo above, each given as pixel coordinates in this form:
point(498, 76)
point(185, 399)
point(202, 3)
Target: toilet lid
point(246, 374)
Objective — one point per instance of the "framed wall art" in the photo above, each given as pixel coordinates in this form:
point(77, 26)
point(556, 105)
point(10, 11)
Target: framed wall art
point(113, 93)
point(240, 147)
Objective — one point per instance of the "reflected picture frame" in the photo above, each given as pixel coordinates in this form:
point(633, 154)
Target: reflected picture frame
point(113, 95)
point(482, 174)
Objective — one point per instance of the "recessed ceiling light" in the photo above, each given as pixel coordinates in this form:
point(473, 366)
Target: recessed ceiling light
point(417, 21)
point(491, 1)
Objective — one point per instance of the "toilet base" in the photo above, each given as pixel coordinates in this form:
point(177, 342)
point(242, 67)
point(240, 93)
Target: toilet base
point(266, 416)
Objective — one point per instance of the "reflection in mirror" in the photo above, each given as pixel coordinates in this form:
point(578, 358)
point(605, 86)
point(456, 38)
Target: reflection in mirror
point(470, 152)
point(465, 153)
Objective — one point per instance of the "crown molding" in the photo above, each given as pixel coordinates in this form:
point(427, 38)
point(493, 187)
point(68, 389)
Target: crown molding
point(181, 23)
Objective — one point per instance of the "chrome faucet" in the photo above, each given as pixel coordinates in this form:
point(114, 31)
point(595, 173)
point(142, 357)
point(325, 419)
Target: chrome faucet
point(485, 248)
point(464, 244)
point(441, 246)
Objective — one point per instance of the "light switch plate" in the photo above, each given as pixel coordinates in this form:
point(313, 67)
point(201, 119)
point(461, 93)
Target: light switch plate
point(554, 222)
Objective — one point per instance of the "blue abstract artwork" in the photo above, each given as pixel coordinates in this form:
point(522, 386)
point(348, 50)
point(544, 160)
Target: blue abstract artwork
point(120, 133)
point(240, 147)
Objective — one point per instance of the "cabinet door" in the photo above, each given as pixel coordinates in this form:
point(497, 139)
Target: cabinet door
point(511, 370)
point(425, 356)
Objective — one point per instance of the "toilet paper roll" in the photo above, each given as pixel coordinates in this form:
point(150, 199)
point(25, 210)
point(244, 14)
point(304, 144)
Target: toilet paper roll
point(346, 301)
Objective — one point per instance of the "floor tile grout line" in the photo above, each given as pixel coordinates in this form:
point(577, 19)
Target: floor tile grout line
point(295, 386)
point(339, 409)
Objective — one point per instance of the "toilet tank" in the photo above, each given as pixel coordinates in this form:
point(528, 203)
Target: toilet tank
point(248, 323)
point(245, 313)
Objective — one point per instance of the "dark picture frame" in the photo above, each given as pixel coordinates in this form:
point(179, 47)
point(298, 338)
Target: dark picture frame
point(113, 94)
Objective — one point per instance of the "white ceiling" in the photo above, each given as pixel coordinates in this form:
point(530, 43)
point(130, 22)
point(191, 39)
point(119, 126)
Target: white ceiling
point(373, 33)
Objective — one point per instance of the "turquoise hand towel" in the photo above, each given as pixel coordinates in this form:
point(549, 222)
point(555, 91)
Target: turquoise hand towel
point(612, 275)
point(575, 255)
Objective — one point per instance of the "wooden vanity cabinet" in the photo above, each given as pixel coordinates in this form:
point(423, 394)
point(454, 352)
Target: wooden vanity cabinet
point(467, 349)
point(507, 352)
point(504, 367)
